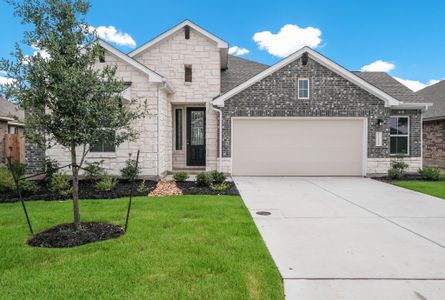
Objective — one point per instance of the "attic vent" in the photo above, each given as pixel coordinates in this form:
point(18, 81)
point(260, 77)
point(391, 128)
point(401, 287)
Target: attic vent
point(305, 58)
point(187, 32)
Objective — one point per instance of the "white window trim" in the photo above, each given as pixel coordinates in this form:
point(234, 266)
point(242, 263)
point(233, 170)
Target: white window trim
point(308, 88)
point(400, 135)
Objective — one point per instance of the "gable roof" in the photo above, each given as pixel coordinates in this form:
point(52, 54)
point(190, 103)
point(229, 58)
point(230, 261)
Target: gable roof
point(435, 94)
point(10, 111)
point(152, 75)
point(389, 100)
point(391, 86)
point(239, 70)
point(221, 43)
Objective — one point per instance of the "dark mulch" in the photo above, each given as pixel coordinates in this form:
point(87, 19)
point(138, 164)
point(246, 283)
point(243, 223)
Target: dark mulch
point(407, 177)
point(87, 190)
point(191, 188)
point(65, 236)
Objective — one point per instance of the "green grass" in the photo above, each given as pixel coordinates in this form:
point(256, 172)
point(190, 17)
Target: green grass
point(181, 247)
point(433, 188)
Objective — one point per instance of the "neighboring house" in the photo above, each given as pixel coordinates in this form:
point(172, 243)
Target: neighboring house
point(434, 125)
point(12, 142)
point(305, 115)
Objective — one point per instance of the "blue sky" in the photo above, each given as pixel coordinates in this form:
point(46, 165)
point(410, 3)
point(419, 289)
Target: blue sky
point(407, 36)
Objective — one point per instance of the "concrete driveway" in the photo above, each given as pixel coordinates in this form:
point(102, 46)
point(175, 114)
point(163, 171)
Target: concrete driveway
point(350, 238)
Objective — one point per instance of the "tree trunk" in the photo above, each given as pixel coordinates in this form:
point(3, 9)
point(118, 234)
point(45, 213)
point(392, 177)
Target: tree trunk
point(75, 169)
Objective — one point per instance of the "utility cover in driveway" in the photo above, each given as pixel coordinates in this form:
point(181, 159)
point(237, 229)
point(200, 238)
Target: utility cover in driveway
point(298, 146)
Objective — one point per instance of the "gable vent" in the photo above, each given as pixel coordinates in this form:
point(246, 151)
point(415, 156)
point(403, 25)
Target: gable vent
point(304, 58)
point(187, 32)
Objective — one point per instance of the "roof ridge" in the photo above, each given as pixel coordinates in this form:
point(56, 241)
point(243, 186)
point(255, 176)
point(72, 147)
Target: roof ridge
point(250, 60)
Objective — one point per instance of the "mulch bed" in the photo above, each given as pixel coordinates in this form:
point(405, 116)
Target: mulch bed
point(65, 236)
point(407, 177)
point(190, 188)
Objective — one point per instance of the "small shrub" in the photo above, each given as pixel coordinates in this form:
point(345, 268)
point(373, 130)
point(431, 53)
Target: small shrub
point(219, 187)
point(181, 176)
point(50, 167)
point(430, 173)
point(217, 177)
point(106, 183)
point(94, 170)
point(397, 170)
point(142, 187)
point(61, 184)
point(130, 172)
point(6, 181)
point(203, 179)
point(394, 173)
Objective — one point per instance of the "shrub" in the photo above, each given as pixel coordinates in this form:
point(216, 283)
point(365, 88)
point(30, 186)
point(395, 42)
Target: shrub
point(430, 173)
point(142, 187)
point(397, 170)
point(217, 177)
point(28, 187)
point(6, 181)
point(130, 172)
point(50, 167)
point(106, 183)
point(181, 176)
point(203, 179)
point(60, 183)
point(219, 187)
point(94, 170)
point(394, 173)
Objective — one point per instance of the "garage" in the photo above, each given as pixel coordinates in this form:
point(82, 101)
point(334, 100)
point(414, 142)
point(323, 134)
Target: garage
point(298, 146)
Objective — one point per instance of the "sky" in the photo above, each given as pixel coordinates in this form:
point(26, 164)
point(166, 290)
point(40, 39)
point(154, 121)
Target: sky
point(404, 38)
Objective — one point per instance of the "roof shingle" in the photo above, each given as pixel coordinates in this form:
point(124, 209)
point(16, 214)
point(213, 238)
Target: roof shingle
point(434, 94)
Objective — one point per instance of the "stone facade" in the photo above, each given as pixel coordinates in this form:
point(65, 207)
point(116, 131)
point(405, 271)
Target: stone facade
point(35, 158)
point(330, 96)
point(434, 143)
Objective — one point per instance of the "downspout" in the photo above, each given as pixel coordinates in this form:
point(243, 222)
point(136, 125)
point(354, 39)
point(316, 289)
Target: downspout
point(219, 163)
point(157, 130)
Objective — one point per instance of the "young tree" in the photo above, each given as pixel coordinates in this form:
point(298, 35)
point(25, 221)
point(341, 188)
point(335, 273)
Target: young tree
point(69, 102)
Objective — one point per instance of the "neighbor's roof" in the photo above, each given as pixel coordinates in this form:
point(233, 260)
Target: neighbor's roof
point(239, 70)
point(435, 94)
point(390, 85)
point(11, 111)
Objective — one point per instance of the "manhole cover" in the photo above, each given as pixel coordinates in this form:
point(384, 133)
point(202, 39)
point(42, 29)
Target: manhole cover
point(263, 213)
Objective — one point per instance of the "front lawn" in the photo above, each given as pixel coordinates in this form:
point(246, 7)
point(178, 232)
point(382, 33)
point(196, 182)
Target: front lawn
point(179, 247)
point(433, 188)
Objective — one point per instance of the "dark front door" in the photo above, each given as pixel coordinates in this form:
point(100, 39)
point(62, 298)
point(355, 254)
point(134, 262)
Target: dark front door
point(196, 136)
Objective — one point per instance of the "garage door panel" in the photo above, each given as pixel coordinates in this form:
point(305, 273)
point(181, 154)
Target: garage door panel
point(297, 146)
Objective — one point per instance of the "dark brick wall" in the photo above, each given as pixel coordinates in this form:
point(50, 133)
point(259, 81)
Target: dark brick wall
point(434, 143)
point(35, 157)
point(330, 96)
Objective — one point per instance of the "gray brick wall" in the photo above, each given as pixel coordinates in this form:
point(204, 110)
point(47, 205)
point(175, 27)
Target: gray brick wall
point(330, 96)
point(434, 142)
point(35, 158)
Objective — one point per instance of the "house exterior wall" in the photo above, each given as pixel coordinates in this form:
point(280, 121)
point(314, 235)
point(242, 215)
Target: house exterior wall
point(169, 58)
point(3, 131)
point(142, 90)
point(330, 96)
point(434, 143)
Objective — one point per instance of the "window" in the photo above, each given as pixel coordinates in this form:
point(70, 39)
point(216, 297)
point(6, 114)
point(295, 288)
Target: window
point(102, 55)
point(12, 130)
point(399, 135)
point(187, 32)
point(104, 147)
point(178, 131)
point(188, 73)
point(303, 88)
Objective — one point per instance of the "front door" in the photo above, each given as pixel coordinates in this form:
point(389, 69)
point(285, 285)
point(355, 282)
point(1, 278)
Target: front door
point(196, 146)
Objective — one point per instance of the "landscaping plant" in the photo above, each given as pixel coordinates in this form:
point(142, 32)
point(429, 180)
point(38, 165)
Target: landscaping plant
point(397, 170)
point(6, 181)
point(106, 183)
point(181, 176)
point(430, 173)
point(142, 187)
point(50, 167)
point(60, 183)
point(218, 177)
point(93, 170)
point(18, 169)
point(68, 101)
point(219, 187)
point(131, 170)
point(203, 179)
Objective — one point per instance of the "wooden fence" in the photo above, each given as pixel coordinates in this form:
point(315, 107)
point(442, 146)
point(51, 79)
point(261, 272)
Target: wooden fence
point(15, 146)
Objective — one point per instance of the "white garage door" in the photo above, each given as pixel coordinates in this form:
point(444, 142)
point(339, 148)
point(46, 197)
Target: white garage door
point(298, 146)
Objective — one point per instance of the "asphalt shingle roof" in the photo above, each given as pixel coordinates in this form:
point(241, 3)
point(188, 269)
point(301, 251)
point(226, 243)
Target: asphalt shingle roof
point(239, 70)
point(434, 94)
point(9, 110)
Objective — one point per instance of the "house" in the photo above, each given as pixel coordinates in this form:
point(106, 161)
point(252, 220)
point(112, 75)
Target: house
point(305, 115)
point(434, 125)
point(12, 140)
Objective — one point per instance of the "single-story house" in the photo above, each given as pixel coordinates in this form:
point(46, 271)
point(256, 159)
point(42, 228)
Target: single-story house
point(305, 115)
point(12, 140)
point(434, 125)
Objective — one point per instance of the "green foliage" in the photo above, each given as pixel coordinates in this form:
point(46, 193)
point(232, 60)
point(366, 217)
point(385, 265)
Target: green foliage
point(142, 187)
point(94, 170)
point(130, 171)
point(50, 167)
point(6, 181)
point(217, 177)
point(18, 170)
point(181, 176)
point(60, 183)
point(106, 183)
point(430, 173)
point(28, 186)
point(397, 170)
point(203, 179)
point(394, 173)
point(219, 187)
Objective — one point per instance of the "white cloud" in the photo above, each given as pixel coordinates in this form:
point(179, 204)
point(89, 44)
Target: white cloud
point(37, 50)
point(289, 39)
point(415, 85)
point(5, 80)
point(235, 50)
point(378, 66)
point(110, 34)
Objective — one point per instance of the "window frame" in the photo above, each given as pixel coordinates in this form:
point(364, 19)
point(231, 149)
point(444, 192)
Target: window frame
point(179, 143)
point(308, 88)
point(102, 146)
point(407, 135)
point(186, 68)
